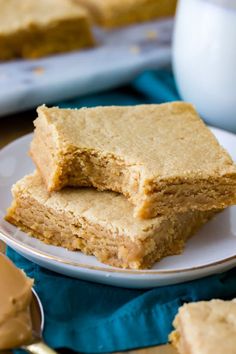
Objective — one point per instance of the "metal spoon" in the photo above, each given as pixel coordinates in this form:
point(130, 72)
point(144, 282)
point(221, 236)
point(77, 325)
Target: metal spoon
point(37, 345)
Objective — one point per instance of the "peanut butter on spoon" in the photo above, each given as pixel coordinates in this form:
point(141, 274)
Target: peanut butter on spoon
point(15, 299)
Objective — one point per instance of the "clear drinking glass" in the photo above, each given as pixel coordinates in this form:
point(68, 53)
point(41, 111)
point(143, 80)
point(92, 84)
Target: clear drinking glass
point(204, 58)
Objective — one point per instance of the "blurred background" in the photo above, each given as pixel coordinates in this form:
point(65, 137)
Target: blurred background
point(74, 53)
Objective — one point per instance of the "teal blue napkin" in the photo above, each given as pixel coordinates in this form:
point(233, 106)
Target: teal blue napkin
point(149, 87)
point(94, 318)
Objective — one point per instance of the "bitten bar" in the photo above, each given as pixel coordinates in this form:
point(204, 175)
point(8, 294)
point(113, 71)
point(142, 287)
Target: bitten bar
point(99, 223)
point(163, 158)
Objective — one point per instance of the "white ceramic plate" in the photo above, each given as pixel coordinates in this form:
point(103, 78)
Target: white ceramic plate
point(211, 250)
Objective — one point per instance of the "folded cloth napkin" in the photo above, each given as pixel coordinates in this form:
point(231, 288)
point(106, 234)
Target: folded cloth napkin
point(94, 318)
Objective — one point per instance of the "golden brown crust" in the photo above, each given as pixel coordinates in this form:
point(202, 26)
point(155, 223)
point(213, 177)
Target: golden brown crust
point(99, 223)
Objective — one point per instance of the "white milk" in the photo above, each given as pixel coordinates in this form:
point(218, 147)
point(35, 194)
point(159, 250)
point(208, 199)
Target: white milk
point(204, 58)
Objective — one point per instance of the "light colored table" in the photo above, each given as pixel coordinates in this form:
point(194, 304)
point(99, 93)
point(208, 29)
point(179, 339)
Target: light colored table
point(13, 127)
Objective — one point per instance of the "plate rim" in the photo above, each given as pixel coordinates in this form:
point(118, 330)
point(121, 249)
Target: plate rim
point(49, 257)
point(57, 259)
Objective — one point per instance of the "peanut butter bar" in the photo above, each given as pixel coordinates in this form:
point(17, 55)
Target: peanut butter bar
point(34, 28)
point(115, 13)
point(206, 328)
point(99, 223)
point(161, 157)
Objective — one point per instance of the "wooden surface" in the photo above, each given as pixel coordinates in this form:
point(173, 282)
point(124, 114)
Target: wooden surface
point(12, 127)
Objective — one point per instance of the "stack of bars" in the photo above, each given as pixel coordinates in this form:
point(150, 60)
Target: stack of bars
point(129, 185)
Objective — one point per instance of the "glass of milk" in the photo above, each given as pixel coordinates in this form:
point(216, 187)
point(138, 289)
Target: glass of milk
point(204, 58)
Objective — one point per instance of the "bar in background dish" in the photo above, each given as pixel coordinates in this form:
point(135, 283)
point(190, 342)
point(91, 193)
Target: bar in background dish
point(205, 327)
point(35, 28)
point(99, 223)
point(115, 13)
point(163, 158)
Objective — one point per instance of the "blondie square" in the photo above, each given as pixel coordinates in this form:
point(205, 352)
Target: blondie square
point(206, 328)
point(34, 28)
point(115, 13)
point(161, 157)
point(99, 223)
